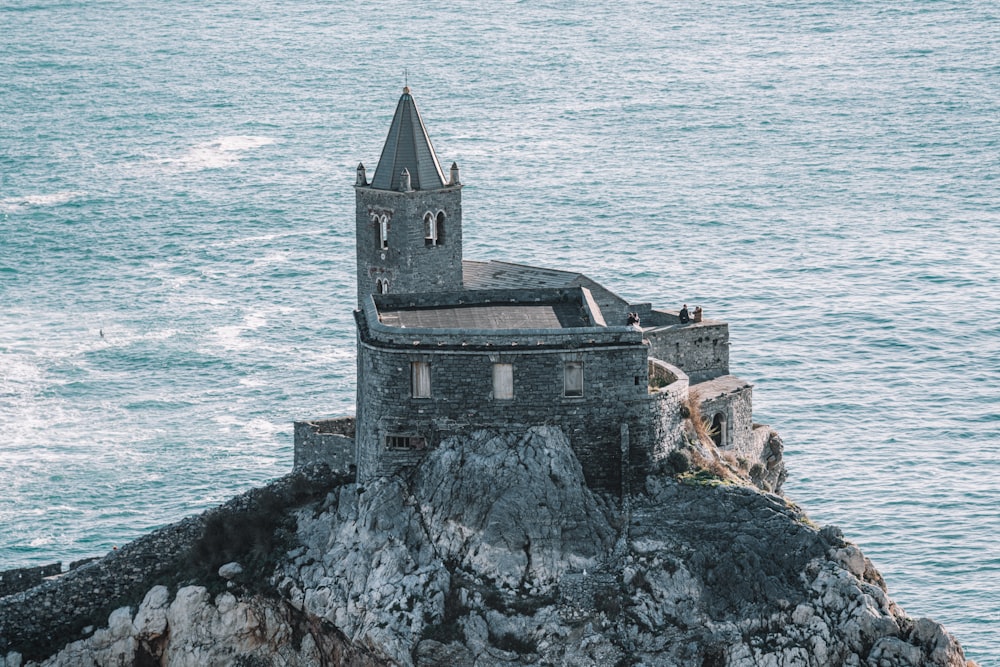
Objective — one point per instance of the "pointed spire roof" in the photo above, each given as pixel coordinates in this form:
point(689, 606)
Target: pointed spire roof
point(408, 147)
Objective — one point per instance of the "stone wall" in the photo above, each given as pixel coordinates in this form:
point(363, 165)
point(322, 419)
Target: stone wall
point(613, 307)
point(408, 264)
point(700, 349)
point(667, 423)
point(326, 441)
point(731, 399)
point(23, 578)
point(462, 401)
point(48, 616)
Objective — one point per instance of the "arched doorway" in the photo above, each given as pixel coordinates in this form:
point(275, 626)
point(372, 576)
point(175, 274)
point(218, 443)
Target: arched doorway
point(719, 430)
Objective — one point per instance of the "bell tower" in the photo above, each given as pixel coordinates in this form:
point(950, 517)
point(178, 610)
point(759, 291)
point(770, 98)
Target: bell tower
point(408, 217)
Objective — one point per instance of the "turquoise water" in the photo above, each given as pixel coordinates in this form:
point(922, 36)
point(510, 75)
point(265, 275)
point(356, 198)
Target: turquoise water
point(823, 175)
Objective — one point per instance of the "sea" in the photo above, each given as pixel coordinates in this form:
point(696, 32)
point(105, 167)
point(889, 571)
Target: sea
point(177, 245)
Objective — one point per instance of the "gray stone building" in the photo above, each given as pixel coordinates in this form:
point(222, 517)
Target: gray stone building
point(448, 346)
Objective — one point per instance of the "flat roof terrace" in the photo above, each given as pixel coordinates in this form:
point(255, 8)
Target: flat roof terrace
point(466, 320)
point(488, 316)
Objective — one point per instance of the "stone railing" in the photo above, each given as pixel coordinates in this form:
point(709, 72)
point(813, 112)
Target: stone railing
point(662, 374)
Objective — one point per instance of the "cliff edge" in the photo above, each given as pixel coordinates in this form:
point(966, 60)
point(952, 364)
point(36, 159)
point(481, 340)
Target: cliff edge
point(495, 552)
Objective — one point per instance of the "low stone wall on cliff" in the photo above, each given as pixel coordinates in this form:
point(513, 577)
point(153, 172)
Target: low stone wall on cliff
point(22, 578)
point(40, 620)
point(325, 441)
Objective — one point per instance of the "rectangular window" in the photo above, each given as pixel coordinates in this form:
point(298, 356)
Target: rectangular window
point(503, 381)
point(405, 442)
point(420, 379)
point(573, 378)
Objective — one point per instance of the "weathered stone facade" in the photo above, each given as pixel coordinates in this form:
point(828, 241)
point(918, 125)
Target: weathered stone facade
point(409, 258)
point(461, 397)
point(669, 387)
point(726, 406)
point(404, 261)
point(700, 348)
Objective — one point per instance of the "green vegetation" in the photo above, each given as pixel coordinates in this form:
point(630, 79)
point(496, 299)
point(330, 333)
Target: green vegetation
point(701, 477)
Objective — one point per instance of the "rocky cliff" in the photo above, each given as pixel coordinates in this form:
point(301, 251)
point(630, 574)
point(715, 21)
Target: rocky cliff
point(495, 552)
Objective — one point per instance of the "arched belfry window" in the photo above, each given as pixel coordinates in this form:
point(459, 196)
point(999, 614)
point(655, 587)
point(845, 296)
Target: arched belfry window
point(381, 286)
point(430, 230)
point(439, 227)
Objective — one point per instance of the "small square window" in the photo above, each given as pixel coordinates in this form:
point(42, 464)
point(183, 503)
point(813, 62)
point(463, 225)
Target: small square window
point(420, 379)
point(503, 381)
point(573, 378)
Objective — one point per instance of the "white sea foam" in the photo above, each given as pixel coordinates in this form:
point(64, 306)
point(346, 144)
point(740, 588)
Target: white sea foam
point(260, 239)
point(17, 204)
point(229, 337)
point(218, 153)
point(254, 320)
point(279, 257)
point(262, 428)
point(18, 370)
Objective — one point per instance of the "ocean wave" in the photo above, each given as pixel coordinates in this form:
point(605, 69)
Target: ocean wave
point(218, 153)
point(17, 204)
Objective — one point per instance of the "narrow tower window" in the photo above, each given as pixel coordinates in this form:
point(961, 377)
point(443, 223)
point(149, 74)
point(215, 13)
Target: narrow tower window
point(503, 381)
point(573, 378)
point(381, 286)
point(420, 379)
point(383, 232)
point(439, 228)
point(430, 230)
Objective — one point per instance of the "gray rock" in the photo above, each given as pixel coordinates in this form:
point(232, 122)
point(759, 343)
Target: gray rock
point(494, 552)
point(230, 571)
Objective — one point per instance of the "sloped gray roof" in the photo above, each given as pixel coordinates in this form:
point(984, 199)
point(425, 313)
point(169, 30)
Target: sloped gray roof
point(508, 275)
point(408, 147)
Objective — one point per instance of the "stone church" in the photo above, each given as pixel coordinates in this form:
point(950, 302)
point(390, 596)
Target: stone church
point(448, 346)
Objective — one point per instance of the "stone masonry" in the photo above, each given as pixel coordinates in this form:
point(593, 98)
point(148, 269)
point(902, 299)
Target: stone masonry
point(407, 263)
point(461, 401)
point(325, 441)
point(408, 224)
